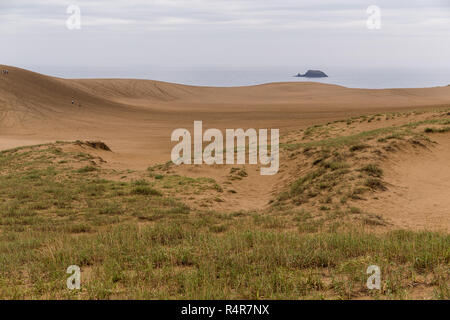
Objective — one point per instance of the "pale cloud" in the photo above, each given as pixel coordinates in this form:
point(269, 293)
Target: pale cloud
point(201, 32)
point(244, 13)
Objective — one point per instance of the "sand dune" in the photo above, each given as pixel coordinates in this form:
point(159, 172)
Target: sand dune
point(136, 117)
point(420, 185)
point(344, 191)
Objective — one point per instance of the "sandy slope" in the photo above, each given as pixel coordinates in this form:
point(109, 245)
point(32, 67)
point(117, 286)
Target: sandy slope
point(419, 196)
point(136, 117)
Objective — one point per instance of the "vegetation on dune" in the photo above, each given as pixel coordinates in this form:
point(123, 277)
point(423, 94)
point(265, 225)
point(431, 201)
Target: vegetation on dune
point(211, 256)
point(338, 167)
point(356, 141)
point(134, 237)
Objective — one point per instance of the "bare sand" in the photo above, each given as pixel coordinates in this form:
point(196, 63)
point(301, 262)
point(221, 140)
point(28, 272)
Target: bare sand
point(135, 119)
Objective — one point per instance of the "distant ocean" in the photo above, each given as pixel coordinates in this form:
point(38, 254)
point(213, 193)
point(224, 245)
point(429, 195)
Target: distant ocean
point(354, 78)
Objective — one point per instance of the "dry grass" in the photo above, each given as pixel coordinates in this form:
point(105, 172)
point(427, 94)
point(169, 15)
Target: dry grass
point(137, 239)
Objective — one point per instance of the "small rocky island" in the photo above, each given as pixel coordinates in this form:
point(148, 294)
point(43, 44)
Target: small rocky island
point(312, 74)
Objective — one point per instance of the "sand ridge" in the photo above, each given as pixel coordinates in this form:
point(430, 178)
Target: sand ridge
point(136, 117)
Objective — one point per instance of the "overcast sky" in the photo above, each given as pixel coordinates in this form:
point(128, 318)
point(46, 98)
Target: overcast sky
point(226, 33)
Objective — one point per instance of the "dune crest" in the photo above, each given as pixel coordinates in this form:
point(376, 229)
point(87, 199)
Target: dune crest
point(136, 117)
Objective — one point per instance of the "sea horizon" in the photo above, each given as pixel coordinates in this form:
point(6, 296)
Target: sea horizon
point(351, 77)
